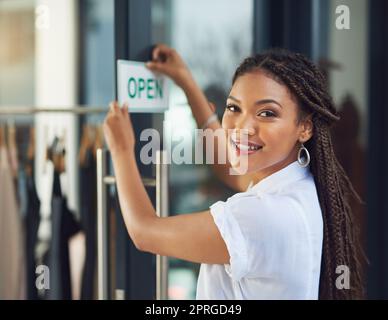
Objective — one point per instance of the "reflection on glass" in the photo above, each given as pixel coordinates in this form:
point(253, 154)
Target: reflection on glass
point(212, 44)
point(346, 68)
point(99, 52)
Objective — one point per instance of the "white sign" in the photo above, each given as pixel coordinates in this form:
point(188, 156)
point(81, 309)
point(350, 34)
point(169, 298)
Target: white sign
point(144, 90)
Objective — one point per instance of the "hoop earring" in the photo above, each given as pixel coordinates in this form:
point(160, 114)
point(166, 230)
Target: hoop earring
point(303, 162)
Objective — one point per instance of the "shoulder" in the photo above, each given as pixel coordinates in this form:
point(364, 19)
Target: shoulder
point(290, 206)
point(253, 212)
point(249, 202)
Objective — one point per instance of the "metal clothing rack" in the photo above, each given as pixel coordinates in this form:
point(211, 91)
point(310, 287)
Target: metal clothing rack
point(103, 180)
point(25, 110)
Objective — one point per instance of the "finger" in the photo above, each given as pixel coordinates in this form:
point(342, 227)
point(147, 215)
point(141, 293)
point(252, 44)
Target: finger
point(160, 52)
point(155, 53)
point(113, 107)
point(124, 109)
point(212, 106)
point(155, 66)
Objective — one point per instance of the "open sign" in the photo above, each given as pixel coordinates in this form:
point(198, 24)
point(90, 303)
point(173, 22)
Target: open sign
point(142, 89)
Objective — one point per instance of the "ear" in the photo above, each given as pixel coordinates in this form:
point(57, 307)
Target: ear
point(306, 129)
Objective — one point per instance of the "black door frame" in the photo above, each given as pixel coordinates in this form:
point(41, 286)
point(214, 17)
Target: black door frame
point(135, 270)
point(287, 24)
point(377, 157)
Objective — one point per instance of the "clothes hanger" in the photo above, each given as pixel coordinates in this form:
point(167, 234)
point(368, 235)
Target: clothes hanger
point(47, 156)
point(12, 146)
point(99, 140)
point(31, 145)
point(55, 153)
point(11, 133)
point(62, 152)
point(30, 151)
point(87, 140)
point(95, 137)
point(82, 147)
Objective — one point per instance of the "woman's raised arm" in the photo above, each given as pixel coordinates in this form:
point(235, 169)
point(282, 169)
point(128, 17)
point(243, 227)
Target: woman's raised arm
point(193, 237)
point(167, 61)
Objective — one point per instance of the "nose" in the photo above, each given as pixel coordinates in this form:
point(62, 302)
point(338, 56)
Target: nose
point(246, 125)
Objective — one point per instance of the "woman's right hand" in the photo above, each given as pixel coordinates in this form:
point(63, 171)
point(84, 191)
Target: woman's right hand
point(167, 61)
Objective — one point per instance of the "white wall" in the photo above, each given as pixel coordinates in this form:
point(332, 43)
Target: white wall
point(56, 85)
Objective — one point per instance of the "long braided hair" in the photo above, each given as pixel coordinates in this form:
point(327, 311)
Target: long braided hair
point(340, 243)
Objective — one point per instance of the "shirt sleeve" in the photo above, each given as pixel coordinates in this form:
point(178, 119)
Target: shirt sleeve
point(263, 234)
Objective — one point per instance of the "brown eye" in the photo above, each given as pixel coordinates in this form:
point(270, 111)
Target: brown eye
point(232, 107)
point(267, 114)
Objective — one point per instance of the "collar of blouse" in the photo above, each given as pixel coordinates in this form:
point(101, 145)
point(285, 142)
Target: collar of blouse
point(277, 180)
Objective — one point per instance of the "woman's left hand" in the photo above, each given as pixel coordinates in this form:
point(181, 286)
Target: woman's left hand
point(118, 129)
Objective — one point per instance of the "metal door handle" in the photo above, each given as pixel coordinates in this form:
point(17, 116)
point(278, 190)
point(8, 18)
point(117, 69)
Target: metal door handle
point(161, 184)
point(162, 211)
point(102, 228)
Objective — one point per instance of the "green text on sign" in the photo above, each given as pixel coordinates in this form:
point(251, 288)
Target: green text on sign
point(151, 88)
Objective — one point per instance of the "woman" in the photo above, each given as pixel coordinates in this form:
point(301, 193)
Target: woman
point(289, 227)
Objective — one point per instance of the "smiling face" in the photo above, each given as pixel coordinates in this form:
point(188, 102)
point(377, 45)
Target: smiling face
point(261, 121)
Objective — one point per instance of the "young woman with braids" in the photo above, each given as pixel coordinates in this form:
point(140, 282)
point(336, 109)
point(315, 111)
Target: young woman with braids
point(289, 226)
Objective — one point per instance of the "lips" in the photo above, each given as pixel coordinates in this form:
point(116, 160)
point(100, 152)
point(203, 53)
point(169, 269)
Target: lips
point(248, 147)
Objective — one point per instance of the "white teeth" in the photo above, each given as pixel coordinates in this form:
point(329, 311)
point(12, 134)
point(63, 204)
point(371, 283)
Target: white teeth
point(245, 147)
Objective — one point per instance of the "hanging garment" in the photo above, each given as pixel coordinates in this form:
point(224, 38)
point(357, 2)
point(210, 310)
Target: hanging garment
point(21, 191)
point(32, 220)
point(64, 225)
point(12, 266)
point(88, 183)
point(77, 262)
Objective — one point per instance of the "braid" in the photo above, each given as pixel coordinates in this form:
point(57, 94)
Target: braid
point(340, 245)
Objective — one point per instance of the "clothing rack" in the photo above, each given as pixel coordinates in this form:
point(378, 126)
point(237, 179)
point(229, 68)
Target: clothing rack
point(103, 180)
point(78, 109)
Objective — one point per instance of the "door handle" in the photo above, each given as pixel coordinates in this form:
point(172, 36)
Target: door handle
point(161, 185)
point(102, 227)
point(161, 211)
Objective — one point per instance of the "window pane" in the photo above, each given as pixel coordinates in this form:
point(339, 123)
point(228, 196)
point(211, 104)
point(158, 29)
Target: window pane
point(207, 34)
point(99, 61)
point(347, 68)
point(17, 52)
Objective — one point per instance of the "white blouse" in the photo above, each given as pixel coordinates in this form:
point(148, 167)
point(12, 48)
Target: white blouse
point(274, 233)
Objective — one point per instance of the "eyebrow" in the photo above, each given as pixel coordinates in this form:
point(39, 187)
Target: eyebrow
point(259, 102)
